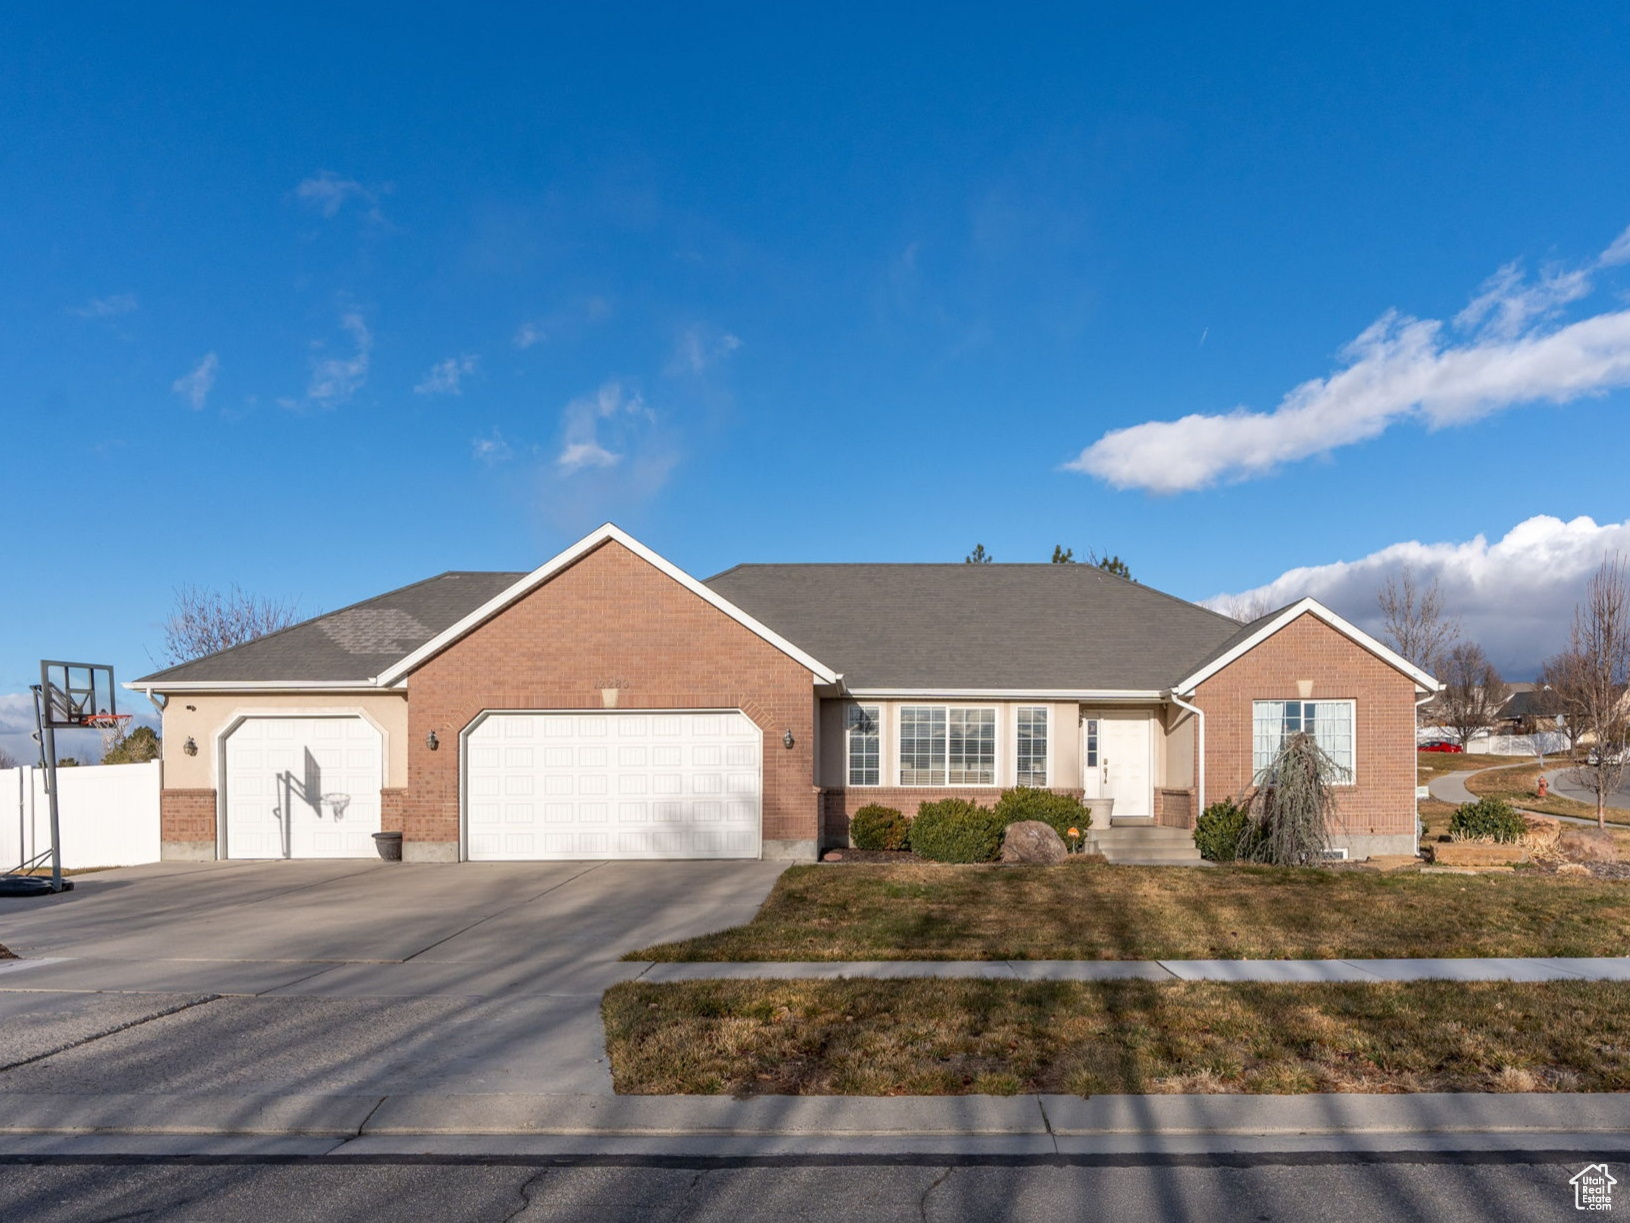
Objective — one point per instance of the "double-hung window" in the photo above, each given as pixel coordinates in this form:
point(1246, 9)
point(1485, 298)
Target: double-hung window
point(947, 745)
point(865, 744)
point(1329, 722)
point(1030, 758)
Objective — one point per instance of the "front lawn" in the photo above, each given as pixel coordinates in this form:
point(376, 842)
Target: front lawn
point(1435, 764)
point(956, 1037)
point(1080, 911)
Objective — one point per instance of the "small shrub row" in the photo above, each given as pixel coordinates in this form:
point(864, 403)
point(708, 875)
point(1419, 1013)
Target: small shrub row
point(1493, 818)
point(959, 830)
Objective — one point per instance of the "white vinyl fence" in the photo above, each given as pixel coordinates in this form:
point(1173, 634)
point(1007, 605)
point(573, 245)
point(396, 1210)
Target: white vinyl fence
point(108, 814)
point(1548, 742)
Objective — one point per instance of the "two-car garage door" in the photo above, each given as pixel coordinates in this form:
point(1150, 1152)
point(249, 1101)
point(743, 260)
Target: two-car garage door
point(613, 785)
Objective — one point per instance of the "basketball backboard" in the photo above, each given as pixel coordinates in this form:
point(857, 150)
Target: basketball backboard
point(76, 693)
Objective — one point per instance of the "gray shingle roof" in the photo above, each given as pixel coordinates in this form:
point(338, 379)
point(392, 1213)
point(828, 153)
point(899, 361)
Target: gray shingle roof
point(1032, 627)
point(354, 643)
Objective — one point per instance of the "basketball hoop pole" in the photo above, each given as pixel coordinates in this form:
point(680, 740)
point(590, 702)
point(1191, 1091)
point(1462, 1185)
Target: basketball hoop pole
point(50, 746)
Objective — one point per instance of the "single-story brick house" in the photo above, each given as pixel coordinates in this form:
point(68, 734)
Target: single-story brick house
point(610, 705)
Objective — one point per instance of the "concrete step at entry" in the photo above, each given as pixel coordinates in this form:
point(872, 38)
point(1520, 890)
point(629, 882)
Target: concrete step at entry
point(1142, 836)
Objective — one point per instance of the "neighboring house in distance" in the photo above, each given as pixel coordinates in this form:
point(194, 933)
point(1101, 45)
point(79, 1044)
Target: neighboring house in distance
point(610, 705)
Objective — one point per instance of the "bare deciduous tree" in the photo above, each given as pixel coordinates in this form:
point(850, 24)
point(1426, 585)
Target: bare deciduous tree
point(1590, 683)
point(1246, 610)
point(7, 760)
point(1415, 620)
point(1473, 692)
point(206, 620)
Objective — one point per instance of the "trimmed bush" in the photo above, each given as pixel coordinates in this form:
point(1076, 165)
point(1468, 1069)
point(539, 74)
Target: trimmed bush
point(875, 826)
point(1219, 829)
point(956, 830)
point(1493, 818)
point(1061, 812)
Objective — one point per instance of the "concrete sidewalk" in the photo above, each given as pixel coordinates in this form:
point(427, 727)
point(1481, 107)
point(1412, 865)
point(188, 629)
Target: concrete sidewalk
point(1595, 968)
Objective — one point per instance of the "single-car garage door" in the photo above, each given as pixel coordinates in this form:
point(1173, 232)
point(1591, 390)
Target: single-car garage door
point(302, 787)
point(613, 785)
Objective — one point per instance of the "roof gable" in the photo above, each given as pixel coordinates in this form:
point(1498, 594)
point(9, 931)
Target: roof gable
point(1258, 631)
point(398, 671)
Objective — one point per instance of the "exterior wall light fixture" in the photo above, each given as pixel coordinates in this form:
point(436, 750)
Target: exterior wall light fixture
point(787, 740)
point(190, 746)
point(431, 741)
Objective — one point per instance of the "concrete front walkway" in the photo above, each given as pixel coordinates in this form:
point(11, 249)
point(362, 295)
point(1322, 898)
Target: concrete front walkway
point(1595, 968)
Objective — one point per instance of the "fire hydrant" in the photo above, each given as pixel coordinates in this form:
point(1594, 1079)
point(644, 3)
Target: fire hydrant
point(1544, 786)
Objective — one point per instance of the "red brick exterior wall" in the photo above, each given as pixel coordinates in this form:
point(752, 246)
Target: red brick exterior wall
point(1174, 808)
point(1382, 799)
point(391, 801)
point(186, 815)
point(839, 805)
point(610, 621)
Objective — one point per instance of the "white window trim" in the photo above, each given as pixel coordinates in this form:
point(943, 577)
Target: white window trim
point(882, 756)
point(1049, 719)
point(997, 760)
point(1352, 705)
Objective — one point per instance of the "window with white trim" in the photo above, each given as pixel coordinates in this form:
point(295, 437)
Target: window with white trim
point(1329, 722)
point(1030, 757)
point(862, 733)
point(947, 745)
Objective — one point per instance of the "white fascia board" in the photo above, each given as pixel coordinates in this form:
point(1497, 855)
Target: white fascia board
point(261, 685)
point(606, 534)
point(1009, 694)
point(1311, 606)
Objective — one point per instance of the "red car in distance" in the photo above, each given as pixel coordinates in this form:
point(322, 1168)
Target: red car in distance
point(1440, 745)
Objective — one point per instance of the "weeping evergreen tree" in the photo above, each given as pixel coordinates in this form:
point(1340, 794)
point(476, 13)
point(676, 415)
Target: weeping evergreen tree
point(1289, 824)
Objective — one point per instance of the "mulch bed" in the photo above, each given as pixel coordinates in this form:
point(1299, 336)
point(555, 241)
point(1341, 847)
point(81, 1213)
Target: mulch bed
point(1617, 871)
point(870, 855)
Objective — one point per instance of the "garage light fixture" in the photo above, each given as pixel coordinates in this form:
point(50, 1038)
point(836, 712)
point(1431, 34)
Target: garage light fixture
point(431, 741)
point(190, 746)
point(787, 740)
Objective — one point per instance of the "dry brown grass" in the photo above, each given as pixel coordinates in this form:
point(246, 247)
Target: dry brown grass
point(1435, 764)
point(1084, 912)
point(1519, 786)
point(956, 1037)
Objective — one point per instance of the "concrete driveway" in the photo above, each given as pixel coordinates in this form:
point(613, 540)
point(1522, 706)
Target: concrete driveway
point(292, 979)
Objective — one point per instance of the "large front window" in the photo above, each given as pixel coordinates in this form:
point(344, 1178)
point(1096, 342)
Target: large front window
point(947, 745)
point(865, 745)
point(1329, 722)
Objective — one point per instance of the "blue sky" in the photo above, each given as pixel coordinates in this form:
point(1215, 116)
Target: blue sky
point(324, 303)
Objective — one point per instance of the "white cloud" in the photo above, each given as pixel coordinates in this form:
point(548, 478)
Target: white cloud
point(328, 192)
point(195, 387)
point(491, 450)
point(1401, 368)
point(1515, 597)
point(17, 730)
point(528, 334)
point(335, 379)
point(444, 376)
point(106, 307)
point(696, 349)
point(609, 407)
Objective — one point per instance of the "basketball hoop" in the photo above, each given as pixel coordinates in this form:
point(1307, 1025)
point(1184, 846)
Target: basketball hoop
point(105, 721)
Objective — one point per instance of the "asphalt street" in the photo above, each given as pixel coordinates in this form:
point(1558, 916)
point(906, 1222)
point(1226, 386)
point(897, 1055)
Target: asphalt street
point(1273, 1190)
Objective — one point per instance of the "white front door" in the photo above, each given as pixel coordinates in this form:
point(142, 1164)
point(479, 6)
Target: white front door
point(302, 787)
point(613, 785)
point(1117, 759)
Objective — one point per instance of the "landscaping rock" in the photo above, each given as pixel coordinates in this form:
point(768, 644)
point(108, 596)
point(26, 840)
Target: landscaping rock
point(1587, 845)
point(1032, 843)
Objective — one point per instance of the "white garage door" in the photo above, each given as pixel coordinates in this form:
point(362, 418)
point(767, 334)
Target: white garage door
point(613, 785)
point(303, 788)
